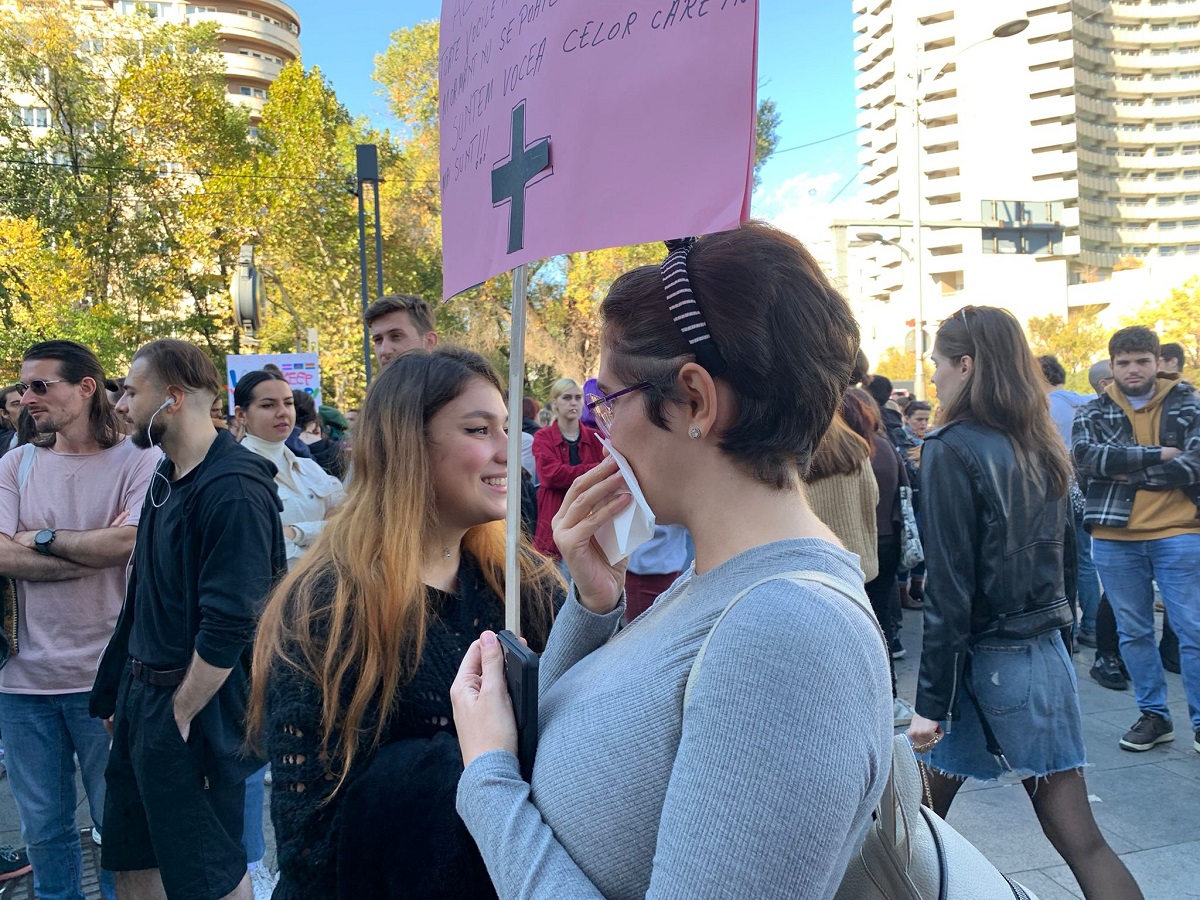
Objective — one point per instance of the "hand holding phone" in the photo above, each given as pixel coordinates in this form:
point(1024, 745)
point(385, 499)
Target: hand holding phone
point(521, 675)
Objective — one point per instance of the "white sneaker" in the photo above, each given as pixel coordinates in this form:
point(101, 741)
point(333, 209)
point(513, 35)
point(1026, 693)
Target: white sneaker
point(263, 882)
point(96, 836)
point(267, 777)
point(902, 713)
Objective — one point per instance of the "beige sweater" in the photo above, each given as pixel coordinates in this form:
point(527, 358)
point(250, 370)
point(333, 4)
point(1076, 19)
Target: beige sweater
point(846, 503)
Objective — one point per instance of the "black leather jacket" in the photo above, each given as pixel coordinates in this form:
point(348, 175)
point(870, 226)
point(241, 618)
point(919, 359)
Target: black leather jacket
point(993, 542)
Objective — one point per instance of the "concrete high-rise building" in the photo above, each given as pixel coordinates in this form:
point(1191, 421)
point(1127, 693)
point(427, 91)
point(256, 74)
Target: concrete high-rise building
point(948, 135)
point(1068, 146)
point(1130, 73)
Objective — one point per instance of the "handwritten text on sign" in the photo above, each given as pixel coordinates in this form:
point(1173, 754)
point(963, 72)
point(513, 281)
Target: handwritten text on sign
point(569, 125)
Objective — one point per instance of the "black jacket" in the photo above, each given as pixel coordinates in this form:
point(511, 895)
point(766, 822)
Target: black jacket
point(993, 541)
point(232, 553)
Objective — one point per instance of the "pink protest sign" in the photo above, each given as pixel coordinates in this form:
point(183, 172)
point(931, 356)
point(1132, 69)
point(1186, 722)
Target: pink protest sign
point(569, 125)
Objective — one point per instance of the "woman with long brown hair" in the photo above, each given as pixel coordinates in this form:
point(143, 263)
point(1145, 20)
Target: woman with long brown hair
point(841, 490)
point(995, 480)
point(358, 645)
point(862, 415)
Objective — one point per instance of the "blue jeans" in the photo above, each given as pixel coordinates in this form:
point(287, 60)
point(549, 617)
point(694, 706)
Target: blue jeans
point(41, 733)
point(1127, 568)
point(1089, 584)
point(252, 819)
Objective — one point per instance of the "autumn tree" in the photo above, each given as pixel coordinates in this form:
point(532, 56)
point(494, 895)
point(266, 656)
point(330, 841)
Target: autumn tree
point(1076, 341)
point(1176, 318)
point(896, 364)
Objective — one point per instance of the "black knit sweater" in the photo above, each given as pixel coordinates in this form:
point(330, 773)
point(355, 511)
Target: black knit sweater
point(419, 737)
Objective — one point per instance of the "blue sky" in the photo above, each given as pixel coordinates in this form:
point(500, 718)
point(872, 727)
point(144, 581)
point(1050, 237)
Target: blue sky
point(806, 64)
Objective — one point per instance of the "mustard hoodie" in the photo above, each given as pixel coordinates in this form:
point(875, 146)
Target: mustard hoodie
point(1155, 514)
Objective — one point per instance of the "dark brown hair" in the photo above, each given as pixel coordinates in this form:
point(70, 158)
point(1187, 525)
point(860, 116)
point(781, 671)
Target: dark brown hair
point(1134, 339)
point(788, 338)
point(175, 363)
point(1004, 390)
point(75, 363)
point(420, 311)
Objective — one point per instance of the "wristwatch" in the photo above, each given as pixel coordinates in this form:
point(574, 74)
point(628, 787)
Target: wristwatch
point(42, 541)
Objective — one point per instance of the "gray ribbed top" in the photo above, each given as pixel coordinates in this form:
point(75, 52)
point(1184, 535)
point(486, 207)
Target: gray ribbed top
point(762, 791)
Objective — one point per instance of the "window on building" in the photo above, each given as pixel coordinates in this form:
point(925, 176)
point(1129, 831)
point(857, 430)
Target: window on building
point(1164, 151)
point(157, 10)
point(1166, 251)
point(1191, 249)
point(1164, 176)
point(1190, 223)
point(31, 116)
point(1167, 201)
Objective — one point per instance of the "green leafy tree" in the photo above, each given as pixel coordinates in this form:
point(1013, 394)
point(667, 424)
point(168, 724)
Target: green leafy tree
point(138, 117)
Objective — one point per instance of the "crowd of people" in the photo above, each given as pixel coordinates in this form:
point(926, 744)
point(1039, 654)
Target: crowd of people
point(197, 604)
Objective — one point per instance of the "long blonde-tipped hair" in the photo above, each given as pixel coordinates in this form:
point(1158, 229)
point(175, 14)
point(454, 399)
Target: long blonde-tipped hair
point(352, 615)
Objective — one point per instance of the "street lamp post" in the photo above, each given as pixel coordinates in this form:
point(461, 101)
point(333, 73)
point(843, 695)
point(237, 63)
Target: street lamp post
point(1007, 29)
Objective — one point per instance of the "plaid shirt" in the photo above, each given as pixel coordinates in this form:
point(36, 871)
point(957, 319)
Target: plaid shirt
point(1103, 446)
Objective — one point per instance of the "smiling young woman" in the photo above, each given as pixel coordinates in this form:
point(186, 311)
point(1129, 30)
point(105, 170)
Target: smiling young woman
point(358, 645)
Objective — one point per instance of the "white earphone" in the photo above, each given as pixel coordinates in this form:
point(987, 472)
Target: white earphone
point(157, 473)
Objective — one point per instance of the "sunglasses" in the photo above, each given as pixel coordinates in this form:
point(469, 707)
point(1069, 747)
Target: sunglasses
point(38, 386)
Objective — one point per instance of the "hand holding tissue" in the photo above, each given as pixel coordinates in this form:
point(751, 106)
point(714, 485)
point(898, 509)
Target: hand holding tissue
point(632, 526)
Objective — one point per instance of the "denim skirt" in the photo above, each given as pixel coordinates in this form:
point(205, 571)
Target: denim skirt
point(1029, 695)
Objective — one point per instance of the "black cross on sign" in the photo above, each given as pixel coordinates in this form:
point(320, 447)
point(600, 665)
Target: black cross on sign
point(509, 179)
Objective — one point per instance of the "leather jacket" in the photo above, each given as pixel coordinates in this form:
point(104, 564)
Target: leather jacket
point(993, 541)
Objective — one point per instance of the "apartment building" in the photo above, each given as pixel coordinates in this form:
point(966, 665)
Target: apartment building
point(1065, 147)
point(256, 37)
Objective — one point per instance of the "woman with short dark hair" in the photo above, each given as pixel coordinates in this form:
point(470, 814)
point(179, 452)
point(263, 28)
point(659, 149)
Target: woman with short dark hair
point(755, 773)
point(994, 664)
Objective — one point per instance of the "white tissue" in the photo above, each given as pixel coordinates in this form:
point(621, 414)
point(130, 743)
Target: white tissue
point(632, 526)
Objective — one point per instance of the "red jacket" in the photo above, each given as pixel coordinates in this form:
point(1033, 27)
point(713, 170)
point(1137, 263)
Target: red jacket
point(556, 474)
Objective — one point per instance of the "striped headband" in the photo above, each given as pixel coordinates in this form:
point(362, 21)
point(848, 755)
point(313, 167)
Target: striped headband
point(684, 309)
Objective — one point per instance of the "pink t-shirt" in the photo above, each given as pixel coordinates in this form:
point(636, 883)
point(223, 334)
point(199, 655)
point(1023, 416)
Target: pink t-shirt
point(65, 625)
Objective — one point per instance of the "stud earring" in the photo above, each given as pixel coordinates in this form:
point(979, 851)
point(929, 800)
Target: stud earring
point(694, 433)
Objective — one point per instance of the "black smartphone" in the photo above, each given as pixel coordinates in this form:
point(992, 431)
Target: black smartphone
point(521, 673)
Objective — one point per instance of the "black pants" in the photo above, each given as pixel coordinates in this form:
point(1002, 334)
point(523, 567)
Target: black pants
point(884, 595)
point(161, 811)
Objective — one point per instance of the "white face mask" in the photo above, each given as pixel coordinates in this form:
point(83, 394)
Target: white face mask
point(632, 526)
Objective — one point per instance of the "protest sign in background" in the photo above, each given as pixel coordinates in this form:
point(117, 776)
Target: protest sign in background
point(300, 370)
point(569, 125)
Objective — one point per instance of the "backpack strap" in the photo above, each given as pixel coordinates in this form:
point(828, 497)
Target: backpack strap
point(853, 592)
point(28, 451)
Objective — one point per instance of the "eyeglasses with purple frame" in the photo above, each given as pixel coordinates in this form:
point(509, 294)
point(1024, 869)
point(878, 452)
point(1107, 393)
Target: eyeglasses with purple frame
point(601, 405)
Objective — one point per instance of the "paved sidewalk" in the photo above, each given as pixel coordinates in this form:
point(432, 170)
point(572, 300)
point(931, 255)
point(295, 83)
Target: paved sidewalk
point(1147, 804)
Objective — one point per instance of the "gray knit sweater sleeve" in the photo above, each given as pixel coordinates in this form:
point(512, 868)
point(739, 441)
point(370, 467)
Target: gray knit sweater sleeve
point(576, 633)
point(781, 756)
